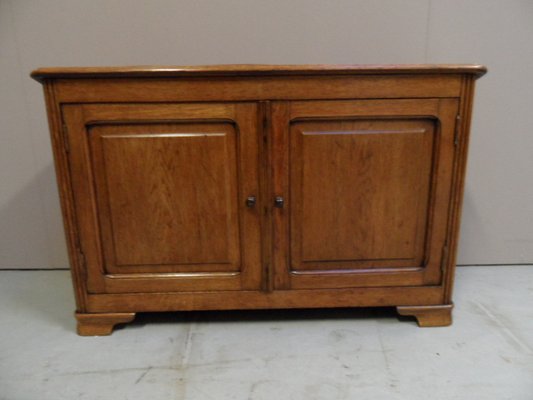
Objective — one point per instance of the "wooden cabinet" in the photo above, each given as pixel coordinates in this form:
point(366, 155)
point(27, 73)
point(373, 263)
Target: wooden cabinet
point(232, 187)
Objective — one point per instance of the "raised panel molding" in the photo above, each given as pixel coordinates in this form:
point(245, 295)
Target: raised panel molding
point(366, 182)
point(177, 218)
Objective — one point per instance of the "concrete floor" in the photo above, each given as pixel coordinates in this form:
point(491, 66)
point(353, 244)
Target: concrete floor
point(320, 354)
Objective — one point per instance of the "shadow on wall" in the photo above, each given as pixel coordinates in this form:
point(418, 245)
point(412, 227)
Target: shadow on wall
point(472, 228)
point(45, 296)
point(31, 230)
point(26, 242)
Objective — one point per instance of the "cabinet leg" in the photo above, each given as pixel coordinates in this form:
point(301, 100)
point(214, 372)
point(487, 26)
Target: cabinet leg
point(101, 324)
point(440, 315)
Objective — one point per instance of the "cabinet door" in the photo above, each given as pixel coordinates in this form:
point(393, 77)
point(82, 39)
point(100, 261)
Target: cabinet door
point(366, 186)
point(160, 195)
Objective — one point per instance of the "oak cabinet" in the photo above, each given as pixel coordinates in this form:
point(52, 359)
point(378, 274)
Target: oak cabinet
point(232, 187)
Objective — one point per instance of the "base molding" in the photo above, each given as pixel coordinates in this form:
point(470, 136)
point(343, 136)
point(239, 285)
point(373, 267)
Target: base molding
point(100, 324)
point(428, 316)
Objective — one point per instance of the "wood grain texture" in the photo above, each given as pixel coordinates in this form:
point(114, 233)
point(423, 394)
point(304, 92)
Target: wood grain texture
point(261, 88)
point(360, 191)
point(280, 187)
point(429, 316)
point(155, 165)
point(169, 198)
point(303, 298)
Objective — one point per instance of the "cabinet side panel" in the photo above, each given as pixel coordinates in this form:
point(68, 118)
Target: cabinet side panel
point(456, 203)
point(59, 148)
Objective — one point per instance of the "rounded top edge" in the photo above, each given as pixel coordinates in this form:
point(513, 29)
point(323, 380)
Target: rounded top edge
point(42, 74)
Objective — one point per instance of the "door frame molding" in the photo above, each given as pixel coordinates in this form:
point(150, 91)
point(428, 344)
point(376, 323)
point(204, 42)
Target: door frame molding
point(78, 117)
point(443, 110)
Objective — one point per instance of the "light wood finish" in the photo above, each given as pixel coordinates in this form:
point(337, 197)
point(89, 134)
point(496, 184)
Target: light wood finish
point(348, 190)
point(429, 316)
point(191, 224)
point(168, 179)
point(101, 324)
point(260, 88)
point(247, 300)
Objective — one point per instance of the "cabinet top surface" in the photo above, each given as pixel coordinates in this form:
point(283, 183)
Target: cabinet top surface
point(42, 74)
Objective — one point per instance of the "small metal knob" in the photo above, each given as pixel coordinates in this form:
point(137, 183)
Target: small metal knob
point(279, 202)
point(250, 201)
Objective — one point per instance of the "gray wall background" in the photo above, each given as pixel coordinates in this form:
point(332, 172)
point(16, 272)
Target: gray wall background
point(498, 212)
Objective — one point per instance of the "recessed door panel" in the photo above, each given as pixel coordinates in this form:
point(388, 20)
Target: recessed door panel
point(168, 195)
point(362, 188)
point(160, 196)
